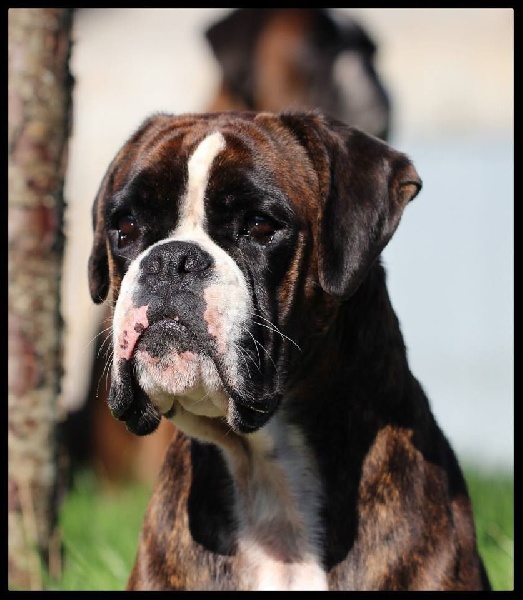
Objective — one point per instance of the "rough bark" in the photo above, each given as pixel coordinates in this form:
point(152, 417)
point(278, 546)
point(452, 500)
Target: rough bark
point(39, 96)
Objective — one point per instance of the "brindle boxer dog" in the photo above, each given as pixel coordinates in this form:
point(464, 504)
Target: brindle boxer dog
point(251, 309)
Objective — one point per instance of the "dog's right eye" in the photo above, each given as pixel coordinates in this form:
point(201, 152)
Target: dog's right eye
point(259, 228)
point(128, 230)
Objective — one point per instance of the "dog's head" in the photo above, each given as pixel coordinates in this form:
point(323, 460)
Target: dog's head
point(224, 241)
point(300, 58)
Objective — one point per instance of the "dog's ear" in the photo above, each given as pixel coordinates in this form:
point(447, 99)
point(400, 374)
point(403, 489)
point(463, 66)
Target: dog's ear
point(232, 40)
point(370, 185)
point(367, 187)
point(98, 266)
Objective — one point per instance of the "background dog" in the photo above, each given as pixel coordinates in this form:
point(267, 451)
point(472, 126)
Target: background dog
point(277, 58)
point(242, 251)
point(270, 59)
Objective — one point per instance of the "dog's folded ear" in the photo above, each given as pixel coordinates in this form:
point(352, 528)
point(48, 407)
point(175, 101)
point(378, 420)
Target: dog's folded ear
point(98, 266)
point(369, 185)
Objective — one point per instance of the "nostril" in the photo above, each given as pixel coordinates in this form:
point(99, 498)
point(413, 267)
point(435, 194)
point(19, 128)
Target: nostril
point(193, 262)
point(152, 264)
point(169, 260)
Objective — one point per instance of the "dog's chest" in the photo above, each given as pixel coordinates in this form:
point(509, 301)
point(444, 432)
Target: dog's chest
point(277, 502)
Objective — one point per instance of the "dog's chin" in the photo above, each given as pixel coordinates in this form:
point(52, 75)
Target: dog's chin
point(166, 374)
point(244, 418)
point(142, 417)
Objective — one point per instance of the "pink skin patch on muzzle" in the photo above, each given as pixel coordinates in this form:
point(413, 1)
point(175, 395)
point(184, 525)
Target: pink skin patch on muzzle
point(134, 323)
point(215, 315)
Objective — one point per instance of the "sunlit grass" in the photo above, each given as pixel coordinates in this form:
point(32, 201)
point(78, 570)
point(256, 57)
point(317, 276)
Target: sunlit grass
point(100, 530)
point(493, 502)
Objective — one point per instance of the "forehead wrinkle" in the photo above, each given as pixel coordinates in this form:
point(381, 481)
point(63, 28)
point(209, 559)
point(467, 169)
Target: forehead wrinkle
point(198, 169)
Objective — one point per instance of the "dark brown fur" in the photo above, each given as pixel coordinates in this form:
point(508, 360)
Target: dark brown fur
point(398, 515)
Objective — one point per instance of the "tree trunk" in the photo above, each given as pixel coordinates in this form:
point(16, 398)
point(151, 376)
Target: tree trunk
point(40, 85)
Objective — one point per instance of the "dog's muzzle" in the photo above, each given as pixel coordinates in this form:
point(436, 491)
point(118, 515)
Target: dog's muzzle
point(180, 325)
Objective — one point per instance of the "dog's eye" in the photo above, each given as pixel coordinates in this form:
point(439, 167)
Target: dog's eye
point(127, 230)
point(259, 228)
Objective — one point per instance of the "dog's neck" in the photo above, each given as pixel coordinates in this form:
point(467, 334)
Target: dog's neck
point(364, 327)
point(283, 472)
point(277, 499)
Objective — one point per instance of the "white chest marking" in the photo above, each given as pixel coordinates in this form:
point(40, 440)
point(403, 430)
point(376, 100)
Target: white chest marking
point(278, 496)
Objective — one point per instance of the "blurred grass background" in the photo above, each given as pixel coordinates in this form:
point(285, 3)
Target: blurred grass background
point(100, 529)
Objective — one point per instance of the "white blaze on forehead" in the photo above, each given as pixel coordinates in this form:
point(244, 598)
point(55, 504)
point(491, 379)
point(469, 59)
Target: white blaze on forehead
point(192, 212)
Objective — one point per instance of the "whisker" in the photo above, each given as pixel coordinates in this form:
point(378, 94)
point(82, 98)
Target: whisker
point(255, 347)
point(93, 339)
point(244, 356)
point(108, 364)
point(204, 397)
point(265, 350)
point(273, 327)
point(105, 375)
point(104, 346)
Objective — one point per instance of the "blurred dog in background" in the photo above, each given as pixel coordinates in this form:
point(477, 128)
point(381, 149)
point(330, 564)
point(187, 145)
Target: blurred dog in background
point(270, 60)
point(277, 58)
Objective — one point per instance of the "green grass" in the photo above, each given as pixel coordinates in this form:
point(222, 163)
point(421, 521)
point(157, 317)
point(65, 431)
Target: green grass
point(493, 503)
point(100, 531)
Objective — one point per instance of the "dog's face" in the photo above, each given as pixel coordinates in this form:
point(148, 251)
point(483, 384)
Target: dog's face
point(226, 241)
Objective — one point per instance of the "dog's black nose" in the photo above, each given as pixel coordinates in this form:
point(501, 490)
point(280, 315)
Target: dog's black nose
point(172, 278)
point(173, 260)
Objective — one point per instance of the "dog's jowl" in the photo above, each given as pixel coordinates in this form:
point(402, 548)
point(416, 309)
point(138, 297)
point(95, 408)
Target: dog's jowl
point(241, 251)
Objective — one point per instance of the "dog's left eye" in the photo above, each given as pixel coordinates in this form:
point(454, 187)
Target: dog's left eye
point(128, 230)
point(260, 229)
